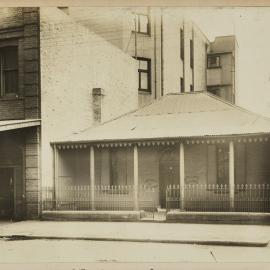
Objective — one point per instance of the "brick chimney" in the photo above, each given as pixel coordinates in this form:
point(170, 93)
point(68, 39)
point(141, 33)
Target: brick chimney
point(97, 94)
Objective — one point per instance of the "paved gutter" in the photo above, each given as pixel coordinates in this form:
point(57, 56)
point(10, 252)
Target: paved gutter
point(21, 237)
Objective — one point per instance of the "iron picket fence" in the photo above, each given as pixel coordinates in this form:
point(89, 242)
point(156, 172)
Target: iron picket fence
point(216, 197)
point(104, 198)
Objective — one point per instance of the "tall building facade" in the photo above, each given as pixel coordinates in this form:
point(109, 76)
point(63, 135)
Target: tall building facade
point(222, 67)
point(19, 113)
point(173, 54)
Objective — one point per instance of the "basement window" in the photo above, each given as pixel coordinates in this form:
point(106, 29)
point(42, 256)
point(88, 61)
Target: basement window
point(9, 70)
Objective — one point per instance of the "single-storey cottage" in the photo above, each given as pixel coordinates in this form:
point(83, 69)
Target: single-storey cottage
point(190, 151)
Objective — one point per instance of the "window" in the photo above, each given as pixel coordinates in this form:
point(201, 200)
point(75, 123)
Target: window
point(213, 61)
point(121, 163)
point(144, 70)
point(181, 44)
point(142, 24)
point(182, 89)
point(191, 54)
point(191, 88)
point(222, 164)
point(8, 70)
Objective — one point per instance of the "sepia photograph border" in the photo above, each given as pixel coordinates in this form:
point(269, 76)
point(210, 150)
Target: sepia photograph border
point(136, 3)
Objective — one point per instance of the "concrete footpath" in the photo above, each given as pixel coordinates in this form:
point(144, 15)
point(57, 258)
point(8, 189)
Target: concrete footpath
point(205, 234)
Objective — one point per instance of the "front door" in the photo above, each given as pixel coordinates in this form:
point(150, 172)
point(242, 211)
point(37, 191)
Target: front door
point(6, 193)
point(168, 173)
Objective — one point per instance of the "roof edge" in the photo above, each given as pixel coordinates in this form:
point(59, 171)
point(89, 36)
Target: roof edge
point(226, 136)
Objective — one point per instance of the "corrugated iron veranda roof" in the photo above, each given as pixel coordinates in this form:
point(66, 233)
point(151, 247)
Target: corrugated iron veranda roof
point(196, 114)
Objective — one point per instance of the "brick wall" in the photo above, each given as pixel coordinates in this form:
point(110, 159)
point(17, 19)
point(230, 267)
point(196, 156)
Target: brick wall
point(31, 62)
point(32, 172)
point(19, 27)
point(11, 26)
point(73, 62)
point(116, 25)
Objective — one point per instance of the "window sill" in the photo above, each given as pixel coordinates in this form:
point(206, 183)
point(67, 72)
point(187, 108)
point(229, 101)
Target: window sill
point(218, 67)
point(144, 92)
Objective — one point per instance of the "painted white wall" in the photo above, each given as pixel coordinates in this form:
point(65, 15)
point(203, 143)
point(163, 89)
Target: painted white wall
point(73, 62)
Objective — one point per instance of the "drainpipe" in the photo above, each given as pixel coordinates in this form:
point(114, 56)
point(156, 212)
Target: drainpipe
point(193, 59)
point(155, 51)
point(184, 58)
point(162, 56)
point(135, 45)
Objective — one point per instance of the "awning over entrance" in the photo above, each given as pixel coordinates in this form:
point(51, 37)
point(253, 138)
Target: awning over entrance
point(17, 124)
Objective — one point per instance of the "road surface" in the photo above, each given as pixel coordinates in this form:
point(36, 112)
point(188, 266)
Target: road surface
point(86, 255)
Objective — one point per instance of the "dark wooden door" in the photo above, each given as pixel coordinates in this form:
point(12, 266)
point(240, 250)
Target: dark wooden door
point(6, 193)
point(169, 175)
point(18, 194)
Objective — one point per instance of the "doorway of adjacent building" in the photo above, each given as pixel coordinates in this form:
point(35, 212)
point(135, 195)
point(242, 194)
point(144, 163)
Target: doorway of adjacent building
point(168, 172)
point(6, 193)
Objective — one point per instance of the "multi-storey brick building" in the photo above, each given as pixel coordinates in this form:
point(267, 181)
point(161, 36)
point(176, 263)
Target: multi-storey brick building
point(53, 69)
point(222, 68)
point(173, 54)
point(19, 112)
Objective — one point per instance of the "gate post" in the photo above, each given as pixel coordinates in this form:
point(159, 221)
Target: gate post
point(231, 174)
point(182, 175)
point(136, 177)
point(55, 177)
point(92, 176)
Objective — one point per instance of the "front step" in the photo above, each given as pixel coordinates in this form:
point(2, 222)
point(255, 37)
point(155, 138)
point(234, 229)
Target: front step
point(153, 216)
point(160, 215)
